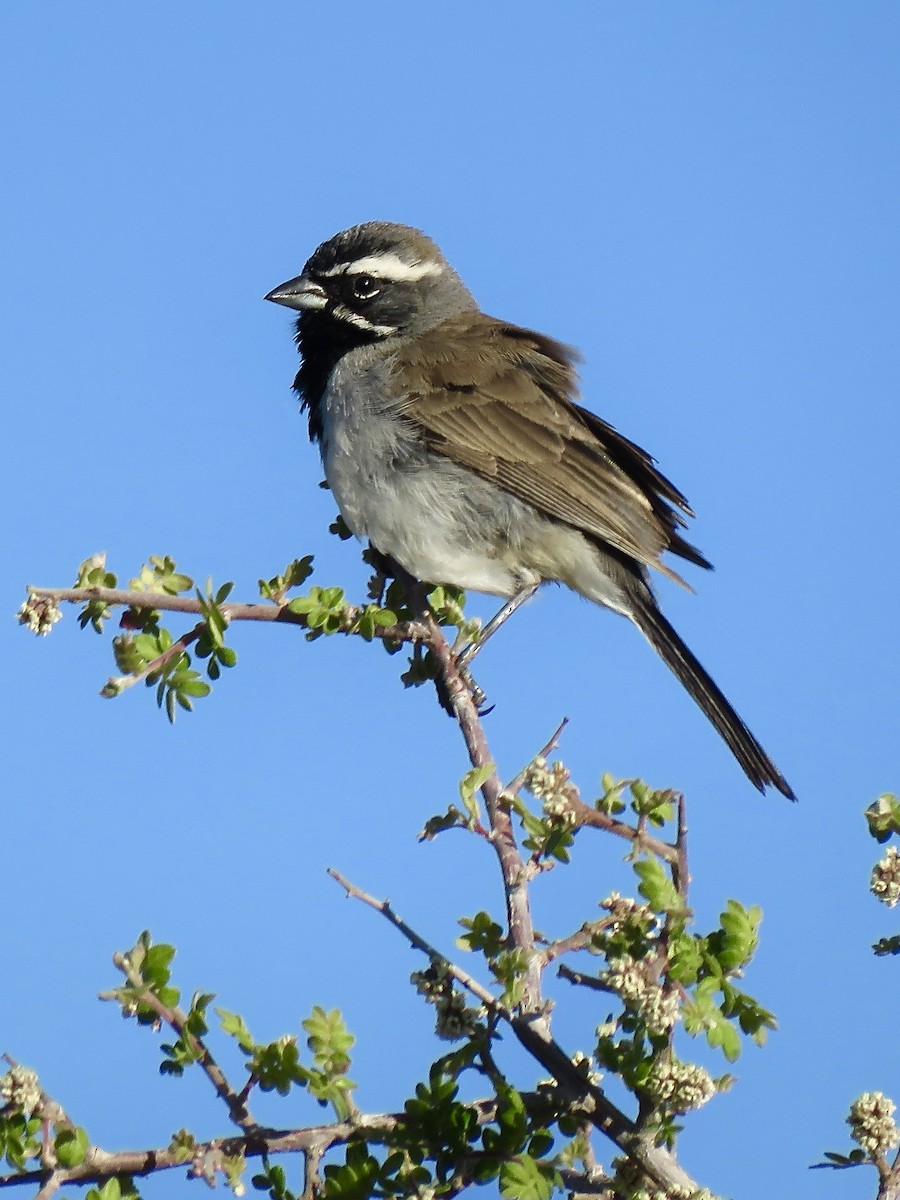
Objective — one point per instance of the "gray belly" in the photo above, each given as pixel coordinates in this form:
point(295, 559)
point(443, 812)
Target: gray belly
point(440, 521)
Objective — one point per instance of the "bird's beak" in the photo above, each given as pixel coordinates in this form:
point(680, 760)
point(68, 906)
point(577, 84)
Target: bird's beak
point(303, 293)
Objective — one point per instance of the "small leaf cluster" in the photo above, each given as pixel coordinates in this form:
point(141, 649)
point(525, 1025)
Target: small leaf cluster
point(507, 964)
point(441, 1146)
point(546, 837)
point(702, 966)
point(454, 1018)
point(19, 1137)
point(158, 574)
point(28, 1123)
point(649, 804)
point(854, 1158)
point(423, 667)
point(93, 573)
point(70, 1146)
point(187, 1048)
point(149, 650)
point(273, 1179)
point(211, 642)
point(276, 1066)
point(550, 833)
point(148, 968)
point(325, 611)
point(295, 573)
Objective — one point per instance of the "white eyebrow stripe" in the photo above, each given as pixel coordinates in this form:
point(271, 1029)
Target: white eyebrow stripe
point(386, 266)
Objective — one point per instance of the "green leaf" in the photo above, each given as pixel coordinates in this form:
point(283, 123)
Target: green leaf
point(111, 1190)
point(294, 574)
point(883, 817)
point(541, 1143)
point(451, 819)
point(233, 1024)
point(71, 1147)
point(194, 687)
point(329, 1038)
point(734, 945)
point(484, 935)
point(525, 1179)
point(159, 575)
point(470, 783)
point(685, 958)
point(656, 887)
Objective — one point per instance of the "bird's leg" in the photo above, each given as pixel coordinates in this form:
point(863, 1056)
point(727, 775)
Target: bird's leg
point(464, 658)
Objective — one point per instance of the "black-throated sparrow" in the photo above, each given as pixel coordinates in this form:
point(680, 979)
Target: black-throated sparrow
point(452, 442)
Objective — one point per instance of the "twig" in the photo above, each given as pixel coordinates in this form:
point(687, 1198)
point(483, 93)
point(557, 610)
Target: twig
point(418, 942)
point(177, 1020)
point(51, 1185)
point(680, 873)
point(403, 631)
point(588, 815)
point(117, 684)
point(580, 979)
point(580, 940)
point(518, 781)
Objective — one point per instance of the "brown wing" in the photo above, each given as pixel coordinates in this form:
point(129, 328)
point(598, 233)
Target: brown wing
point(498, 399)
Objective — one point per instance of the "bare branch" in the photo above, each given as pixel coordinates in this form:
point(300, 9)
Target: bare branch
point(418, 942)
point(518, 781)
point(580, 979)
point(680, 873)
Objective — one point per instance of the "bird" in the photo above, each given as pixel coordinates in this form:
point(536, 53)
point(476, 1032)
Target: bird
point(453, 441)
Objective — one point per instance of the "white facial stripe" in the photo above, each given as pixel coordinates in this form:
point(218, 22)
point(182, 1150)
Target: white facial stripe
point(386, 266)
point(352, 318)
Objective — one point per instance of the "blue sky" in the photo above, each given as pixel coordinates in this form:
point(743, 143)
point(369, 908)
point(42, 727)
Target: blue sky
point(703, 197)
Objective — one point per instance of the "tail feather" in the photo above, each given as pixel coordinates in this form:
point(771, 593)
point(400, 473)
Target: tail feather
point(757, 765)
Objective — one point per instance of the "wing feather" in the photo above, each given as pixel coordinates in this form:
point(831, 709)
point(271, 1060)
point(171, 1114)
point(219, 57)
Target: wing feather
point(499, 400)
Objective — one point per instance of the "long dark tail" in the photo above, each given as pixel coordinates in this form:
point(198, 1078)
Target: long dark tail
point(757, 765)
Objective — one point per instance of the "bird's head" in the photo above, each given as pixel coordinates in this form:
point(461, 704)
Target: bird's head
point(371, 282)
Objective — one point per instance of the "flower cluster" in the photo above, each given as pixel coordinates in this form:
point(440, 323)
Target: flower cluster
point(454, 1019)
point(679, 1087)
point(20, 1089)
point(632, 1182)
point(39, 613)
point(551, 786)
point(872, 1123)
point(886, 877)
point(657, 1007)
point(625, 912)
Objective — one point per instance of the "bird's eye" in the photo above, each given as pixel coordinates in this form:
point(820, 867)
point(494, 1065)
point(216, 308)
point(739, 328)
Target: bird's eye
point(365, 287)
